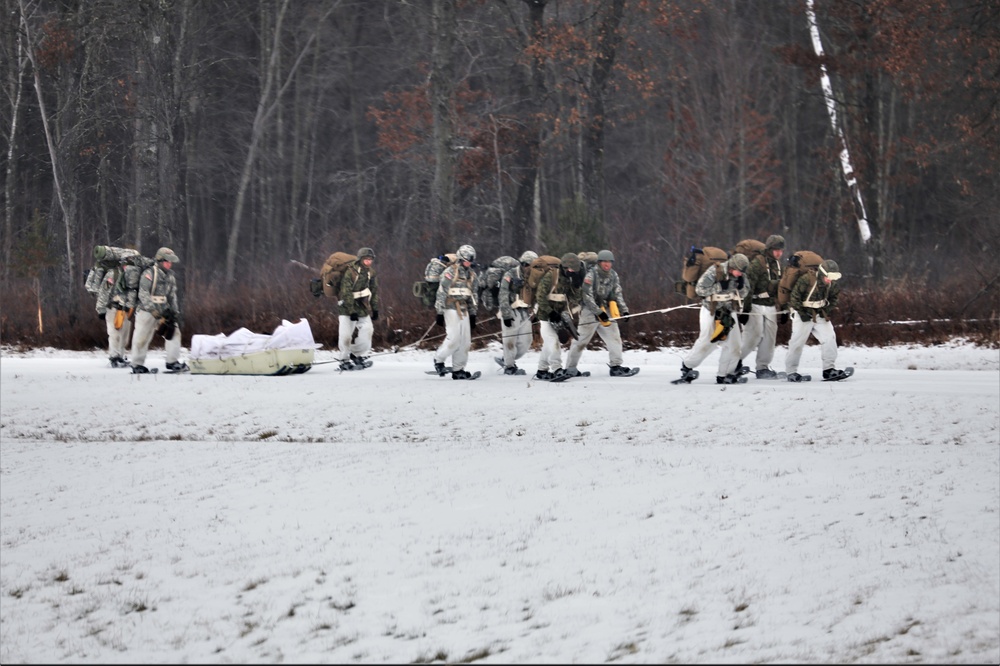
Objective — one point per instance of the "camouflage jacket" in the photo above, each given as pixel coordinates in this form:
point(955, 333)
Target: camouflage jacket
point(158, 292)
point(457, 290)
point(599, 288)
point(107, 289)
point(511, 285)
point(763, 276)
point(358, 290)
point(555, 294)
point(119, 288)
point(811, 297)
point(725, 295)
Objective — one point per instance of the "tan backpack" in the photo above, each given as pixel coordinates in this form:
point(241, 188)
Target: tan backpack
point(801, 262)
point(333, 270)
point(750, 248)
point(534, 274)
point(699, 260)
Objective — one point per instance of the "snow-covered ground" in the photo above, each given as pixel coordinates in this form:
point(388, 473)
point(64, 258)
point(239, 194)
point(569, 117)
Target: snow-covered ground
point(393, 516)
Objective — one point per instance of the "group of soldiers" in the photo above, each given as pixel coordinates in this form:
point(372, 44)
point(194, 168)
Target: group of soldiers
point(571, 302)
point(134, 290)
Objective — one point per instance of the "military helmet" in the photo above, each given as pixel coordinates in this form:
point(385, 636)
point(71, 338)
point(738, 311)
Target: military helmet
point(166, 254)
point(366, 252)
point(571, 262)
point(739, 262)
point(830, 269)
point(775, 242)
point(528, 257)
point(587, 257)
point(605, 255)
point(466, 253)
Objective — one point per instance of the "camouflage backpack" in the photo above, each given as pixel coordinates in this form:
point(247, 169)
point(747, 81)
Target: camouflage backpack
point(534, 274)
point(426, 289)
point(801, 262)
point(750, 248)
point(699, 260)
point(489, 285)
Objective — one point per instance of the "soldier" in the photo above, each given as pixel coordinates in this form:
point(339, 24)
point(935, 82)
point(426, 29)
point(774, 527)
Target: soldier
point(558, 297)
point(158, 312)
point(456, 311)
point(759, 316)
point(600, 286)
point(515, 314)
point(357, 305)
point(722, 301)
point(812, 299)
point(112, 309)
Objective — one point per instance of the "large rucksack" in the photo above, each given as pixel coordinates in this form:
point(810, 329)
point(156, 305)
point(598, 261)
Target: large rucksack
point(801, 262)
point(538, 269)
point(699, 260)
point(426, 289)
point(489, 283)
point(750, 248)
point(333, 270)
point(108, 257)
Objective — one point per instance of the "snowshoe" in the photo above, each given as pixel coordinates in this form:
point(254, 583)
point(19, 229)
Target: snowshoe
point(177, 368)
point(544, 375)
point(687, 376)
point(834, 375)
point(440, 369)
point(796, 377)
point(623, 371)
point(141, 370)
point(767, 373)
point(567, 373)
point(731, 379)
point(513, 370)
point(119, 362)
point(361, 362)
point(464, 374)
point(741, 369)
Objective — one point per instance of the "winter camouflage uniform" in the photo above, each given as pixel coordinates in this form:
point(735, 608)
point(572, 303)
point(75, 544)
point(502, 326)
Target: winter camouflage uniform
point(113, 297)
point(558, 296)
point(157, 299)
point(599, 287)
point(722, 300)
point(811, 302)
point(515, 316)
point(761, 330)
point(357, 304)
point(456, 305)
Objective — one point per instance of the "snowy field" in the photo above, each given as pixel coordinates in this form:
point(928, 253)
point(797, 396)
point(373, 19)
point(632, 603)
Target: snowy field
point(393, 516)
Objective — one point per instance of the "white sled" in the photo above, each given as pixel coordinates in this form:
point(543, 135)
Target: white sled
point(288, 351)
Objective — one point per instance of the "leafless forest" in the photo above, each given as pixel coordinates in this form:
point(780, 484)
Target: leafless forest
point(250, 134)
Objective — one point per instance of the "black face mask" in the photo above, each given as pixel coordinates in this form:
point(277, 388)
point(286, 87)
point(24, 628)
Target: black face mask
point(575, 278)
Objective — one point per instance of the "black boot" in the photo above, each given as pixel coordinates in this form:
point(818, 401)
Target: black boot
point(688, 374)
point(440, 369)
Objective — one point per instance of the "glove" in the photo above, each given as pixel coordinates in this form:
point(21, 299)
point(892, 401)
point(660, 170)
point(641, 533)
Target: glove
point(354, 317)
point(555, 317)
point(508, 322)
point(374, 315)
point(130, 313)
point(440, 319)
point(783, 318)
point(604, 316)
point(101, 315)
point(805, 316)
point(744, 318)
point(472, 321)
point(739, 282)
point(724, 284)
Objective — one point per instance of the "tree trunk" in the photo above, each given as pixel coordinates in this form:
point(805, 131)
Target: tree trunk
point(442, 87)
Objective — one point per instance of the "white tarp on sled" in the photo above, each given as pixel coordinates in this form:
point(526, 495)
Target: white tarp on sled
point(289, 350)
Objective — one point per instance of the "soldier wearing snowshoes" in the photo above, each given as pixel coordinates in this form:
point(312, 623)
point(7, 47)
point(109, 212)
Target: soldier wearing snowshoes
point(111, 308)
point(558, 295)
point(158, 312)
point(603, 301)
point(760, 318)
point(723, 290)
point(357, 307)
point(456, 308)
point(813, 297)
point(515, 314)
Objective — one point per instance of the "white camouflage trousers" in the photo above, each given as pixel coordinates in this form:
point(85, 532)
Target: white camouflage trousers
point(117, 337)
point(550, 359)
point(822, 330)
point(457, 340)
point(760, 333)
point(704, 346)
point(347, 343)
point(517, 338)
point(611, 335)
point(145, 328)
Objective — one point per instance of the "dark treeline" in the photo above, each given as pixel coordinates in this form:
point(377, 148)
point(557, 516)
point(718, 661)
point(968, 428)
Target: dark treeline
point(248, 134)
